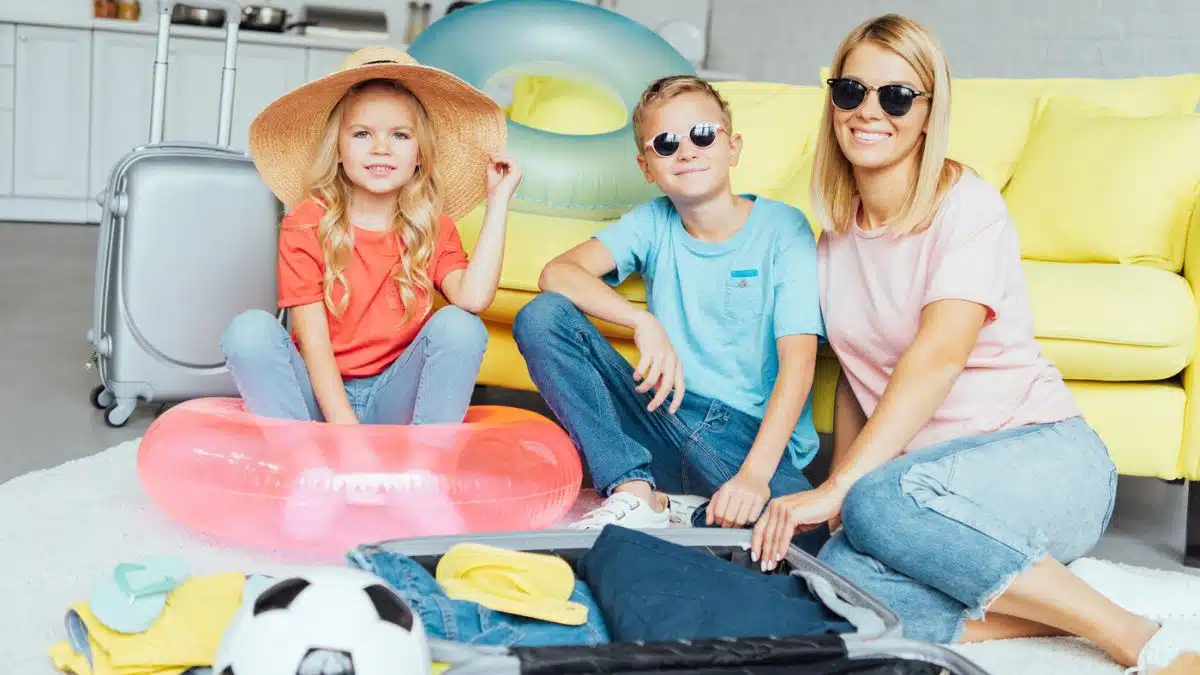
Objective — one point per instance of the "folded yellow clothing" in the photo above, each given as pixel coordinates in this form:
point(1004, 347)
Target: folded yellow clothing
point(185, 635)
point(535, 585)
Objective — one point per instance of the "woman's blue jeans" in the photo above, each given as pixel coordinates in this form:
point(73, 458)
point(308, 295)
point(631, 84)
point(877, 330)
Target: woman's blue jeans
point(937, 534)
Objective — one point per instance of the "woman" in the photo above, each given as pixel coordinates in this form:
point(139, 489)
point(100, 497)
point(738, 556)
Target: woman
point(964, 476)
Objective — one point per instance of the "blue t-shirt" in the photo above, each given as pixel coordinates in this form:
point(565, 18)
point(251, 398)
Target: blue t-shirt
point(724, 304)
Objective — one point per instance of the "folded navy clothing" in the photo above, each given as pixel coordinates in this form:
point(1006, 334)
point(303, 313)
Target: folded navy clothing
point(649, 589)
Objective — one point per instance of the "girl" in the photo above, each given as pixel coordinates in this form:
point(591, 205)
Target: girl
point(378, 160)
point(964, 475)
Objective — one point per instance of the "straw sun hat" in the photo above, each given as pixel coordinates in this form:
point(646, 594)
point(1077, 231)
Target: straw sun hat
point(469, 126)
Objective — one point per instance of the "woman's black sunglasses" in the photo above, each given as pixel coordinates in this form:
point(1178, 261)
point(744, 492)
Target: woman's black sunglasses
point(895, 99)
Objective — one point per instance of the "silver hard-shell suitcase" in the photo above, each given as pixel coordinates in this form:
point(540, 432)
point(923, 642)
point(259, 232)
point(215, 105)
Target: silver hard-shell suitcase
point(188, 238)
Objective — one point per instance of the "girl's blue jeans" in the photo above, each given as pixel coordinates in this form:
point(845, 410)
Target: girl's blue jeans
point(938, 533)
point(431, 382)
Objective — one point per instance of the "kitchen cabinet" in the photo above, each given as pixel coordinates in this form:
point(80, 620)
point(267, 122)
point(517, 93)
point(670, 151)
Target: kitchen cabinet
point(7, 96)
point(51, 111)
point(123, 79)
point(264, 73)
point(6, 152)
point(322, 62)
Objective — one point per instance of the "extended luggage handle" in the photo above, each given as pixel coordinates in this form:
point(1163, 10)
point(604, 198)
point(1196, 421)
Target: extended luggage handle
point(158, 104)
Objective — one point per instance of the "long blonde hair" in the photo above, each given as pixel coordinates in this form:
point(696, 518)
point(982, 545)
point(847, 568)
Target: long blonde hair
point(833, 188)
point(414, 218)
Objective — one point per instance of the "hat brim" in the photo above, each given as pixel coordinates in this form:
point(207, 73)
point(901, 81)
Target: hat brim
point(469, 127)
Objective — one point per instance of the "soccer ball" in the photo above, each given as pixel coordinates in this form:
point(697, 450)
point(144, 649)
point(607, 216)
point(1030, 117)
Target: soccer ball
point(330, 621)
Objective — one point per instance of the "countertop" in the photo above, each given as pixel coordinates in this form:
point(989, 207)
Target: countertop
point(148, 25)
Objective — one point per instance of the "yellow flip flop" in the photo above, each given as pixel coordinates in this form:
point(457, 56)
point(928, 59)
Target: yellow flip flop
point(534, 585)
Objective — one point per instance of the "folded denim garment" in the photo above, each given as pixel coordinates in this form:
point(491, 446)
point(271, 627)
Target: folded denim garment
point(651, 590)
point(470, 622)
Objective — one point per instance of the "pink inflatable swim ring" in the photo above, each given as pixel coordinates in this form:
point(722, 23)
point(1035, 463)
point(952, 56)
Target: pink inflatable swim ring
point(313, 486)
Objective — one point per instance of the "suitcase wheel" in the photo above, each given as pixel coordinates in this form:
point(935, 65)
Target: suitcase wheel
point(117, 414)
point(118, 411)
point(102, 398)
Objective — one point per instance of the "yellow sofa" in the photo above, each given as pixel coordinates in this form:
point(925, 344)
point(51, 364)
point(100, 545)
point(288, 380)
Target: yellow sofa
point(1102, 178)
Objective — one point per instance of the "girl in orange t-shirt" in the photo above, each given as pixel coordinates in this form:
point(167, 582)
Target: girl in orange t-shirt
point(378, 159)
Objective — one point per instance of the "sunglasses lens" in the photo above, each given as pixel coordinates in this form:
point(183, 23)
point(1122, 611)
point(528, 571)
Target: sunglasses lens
point(666, 143)
point(895, 100)
point(847, 94)
point(703, 135)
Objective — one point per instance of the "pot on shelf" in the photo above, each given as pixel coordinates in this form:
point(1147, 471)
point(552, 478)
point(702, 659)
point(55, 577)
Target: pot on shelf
point(269, 19)
point(188, 15)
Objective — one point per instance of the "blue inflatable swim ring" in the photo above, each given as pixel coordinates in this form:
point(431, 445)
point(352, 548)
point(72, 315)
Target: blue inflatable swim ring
point(591, 176)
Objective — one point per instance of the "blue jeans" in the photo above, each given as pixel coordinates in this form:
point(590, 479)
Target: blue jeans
point(590, 388)
point(469, 622)
point(938, 533)
point(431, 382)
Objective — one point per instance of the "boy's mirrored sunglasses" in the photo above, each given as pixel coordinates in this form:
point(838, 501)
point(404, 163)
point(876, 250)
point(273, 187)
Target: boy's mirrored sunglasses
point(667, 143)
point(894, 99)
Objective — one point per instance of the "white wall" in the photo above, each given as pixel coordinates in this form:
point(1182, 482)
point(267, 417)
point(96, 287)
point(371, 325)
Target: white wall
point(789, 40)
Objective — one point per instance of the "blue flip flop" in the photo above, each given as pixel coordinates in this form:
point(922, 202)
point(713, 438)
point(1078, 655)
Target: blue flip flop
point(131, 598)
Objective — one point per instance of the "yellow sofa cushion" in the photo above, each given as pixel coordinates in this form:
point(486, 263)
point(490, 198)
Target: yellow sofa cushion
point(991, 118)
point(1112, 322)
point(1092, 186)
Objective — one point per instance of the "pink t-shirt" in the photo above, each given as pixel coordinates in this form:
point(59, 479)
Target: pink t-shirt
point(874, 285)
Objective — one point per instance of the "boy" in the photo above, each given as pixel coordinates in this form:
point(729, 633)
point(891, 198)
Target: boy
point(730, 333)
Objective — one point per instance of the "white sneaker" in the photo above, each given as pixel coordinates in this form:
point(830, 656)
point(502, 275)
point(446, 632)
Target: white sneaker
point(1158, 595)
point(626, 510)
point(682, 507)
point(1172, 639)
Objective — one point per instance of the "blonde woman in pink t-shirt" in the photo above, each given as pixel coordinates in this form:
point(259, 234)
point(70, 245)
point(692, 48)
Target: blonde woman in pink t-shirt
point(964, 476)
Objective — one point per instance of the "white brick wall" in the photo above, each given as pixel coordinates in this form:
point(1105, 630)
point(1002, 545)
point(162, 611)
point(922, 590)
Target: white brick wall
point(789, 40)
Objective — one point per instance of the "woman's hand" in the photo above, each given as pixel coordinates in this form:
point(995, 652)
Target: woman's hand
point(784, 516)
point(503, 177)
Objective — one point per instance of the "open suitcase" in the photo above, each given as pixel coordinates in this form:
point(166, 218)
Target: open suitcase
point(188, 238)
point(876, 647)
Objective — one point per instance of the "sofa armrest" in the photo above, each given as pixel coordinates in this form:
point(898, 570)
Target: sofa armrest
point(1189, 456)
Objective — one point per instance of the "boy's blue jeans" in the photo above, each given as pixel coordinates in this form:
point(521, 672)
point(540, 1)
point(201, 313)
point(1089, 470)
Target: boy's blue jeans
point(431, 382)
point(590, 388)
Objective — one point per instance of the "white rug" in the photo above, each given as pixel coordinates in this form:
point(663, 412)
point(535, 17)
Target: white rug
point(61, 528)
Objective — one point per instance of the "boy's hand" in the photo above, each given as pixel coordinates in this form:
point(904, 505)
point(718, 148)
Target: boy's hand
point(659, 366)
point(739, 501)
point(503, 177)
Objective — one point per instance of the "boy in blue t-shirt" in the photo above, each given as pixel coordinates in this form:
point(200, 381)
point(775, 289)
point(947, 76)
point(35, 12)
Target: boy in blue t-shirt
point(720, 403)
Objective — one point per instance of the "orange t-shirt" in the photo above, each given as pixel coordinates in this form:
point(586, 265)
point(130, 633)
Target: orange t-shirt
point(365, 338)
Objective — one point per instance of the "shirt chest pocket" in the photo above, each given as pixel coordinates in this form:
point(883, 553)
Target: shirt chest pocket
point(744, 296)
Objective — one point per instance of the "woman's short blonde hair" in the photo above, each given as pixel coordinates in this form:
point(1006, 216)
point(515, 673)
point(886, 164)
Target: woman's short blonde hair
point(833, 188)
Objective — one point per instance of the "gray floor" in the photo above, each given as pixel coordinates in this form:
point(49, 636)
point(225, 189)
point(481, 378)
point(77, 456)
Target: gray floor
point(46, 273)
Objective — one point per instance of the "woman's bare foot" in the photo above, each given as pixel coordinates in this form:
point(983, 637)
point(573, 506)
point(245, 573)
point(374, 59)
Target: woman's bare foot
point(1049, 594)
